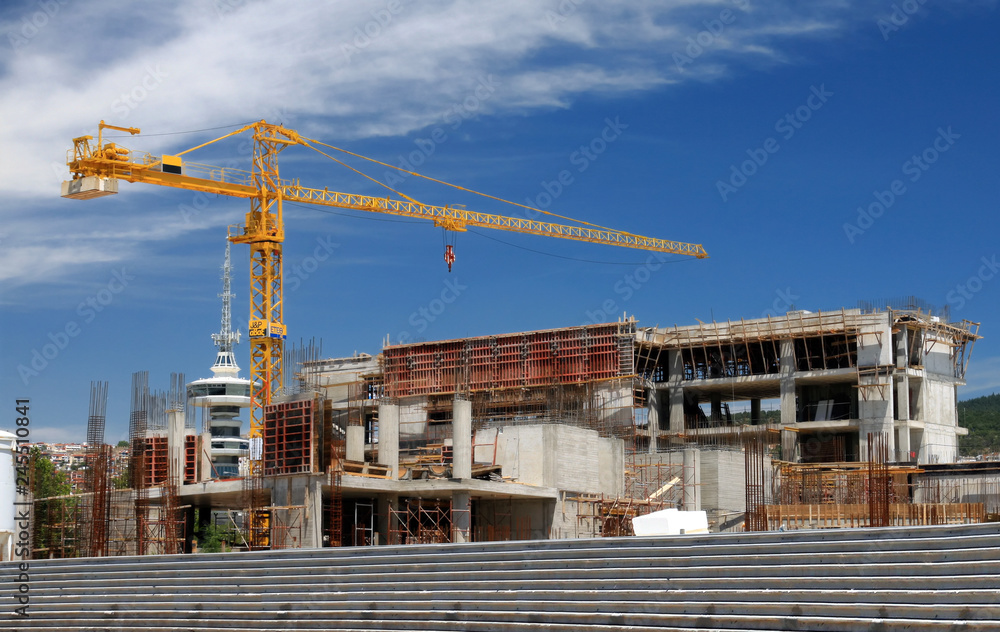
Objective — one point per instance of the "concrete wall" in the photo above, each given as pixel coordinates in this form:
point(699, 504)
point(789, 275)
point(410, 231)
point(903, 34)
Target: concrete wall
point(412, 420)
point(723, 480)
point(559, 456)
point(302, 497)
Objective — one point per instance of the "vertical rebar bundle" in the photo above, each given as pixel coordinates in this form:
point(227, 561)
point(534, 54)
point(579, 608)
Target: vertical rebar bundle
point(95, 512)
point(302, 366)
point(879, 480)
point(755, 448)
point(137, 456)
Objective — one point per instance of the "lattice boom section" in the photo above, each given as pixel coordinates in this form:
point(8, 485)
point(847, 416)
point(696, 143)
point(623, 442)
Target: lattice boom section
point(539, 358)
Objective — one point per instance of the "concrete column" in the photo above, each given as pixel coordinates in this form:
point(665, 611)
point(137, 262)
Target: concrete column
point(188, 528)
point(355, 443)
point(314, 513)
point(461, 449)
point(175, 447)
point(789, 415)
point(903, 398)
point(384, 505)
point(755, 411)
point(789, 446)
point(675, 390)
point(205, 457)
point(388, 438)
point(903, 441)
point(653, 417)
point(676, 395)
point(902, 356)
point(716, 416)
point(461, 516)
point(675, 366)
point(692, 480)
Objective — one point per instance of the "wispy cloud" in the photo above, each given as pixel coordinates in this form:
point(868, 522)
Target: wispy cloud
point(341, 70)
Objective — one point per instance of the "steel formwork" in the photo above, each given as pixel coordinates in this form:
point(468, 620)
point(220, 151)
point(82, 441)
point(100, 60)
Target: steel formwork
point(290, 438)
point(559, 356)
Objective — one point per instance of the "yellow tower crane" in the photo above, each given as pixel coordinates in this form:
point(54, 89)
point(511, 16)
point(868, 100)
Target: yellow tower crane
point(96, 170)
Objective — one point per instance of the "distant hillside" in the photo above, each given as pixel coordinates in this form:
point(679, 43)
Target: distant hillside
point(982, 417)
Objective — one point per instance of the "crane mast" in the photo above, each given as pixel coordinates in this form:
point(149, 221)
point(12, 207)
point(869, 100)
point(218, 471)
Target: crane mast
point(96, 170)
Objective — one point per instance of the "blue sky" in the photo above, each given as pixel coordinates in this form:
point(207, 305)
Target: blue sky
point(756, 129)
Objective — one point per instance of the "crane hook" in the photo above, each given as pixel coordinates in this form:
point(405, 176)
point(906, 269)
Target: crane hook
point(449, 256)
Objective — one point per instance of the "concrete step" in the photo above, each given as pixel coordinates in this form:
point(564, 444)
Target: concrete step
point(90, 601)
point(927, 578)
point(649, 558)
point(524, 572)
point(552, 580)
point(501, 621)
point(844, 540)
point(474, 604)
point(589, 549)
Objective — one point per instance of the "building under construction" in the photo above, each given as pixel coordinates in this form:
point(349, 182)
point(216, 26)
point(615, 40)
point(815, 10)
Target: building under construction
point(572, 432)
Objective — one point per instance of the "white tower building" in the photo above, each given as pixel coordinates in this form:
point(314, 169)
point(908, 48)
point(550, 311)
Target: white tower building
point(225, 393)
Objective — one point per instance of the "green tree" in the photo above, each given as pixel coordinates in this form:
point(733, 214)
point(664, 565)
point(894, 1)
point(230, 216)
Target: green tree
point(982, 417)
point(216, 539)
point(123, 443)
point(55, 519)
point(46, 480)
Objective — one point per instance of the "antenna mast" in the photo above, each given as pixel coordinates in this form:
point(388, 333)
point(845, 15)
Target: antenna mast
point(226, 339)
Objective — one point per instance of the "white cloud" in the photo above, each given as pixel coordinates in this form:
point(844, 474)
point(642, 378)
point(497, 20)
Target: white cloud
point(330, 70)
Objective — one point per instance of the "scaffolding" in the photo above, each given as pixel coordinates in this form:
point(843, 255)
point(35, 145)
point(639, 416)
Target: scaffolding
point(611, 517)
point(421, 521)
point(871, 493)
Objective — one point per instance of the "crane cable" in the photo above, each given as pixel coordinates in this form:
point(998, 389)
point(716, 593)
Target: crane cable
point(360, 173)
point(455, 186)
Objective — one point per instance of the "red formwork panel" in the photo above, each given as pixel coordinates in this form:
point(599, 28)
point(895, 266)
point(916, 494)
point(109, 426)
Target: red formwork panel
point(288, 437)
point(537, 358)
point(157, 461)
point(190, 458)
